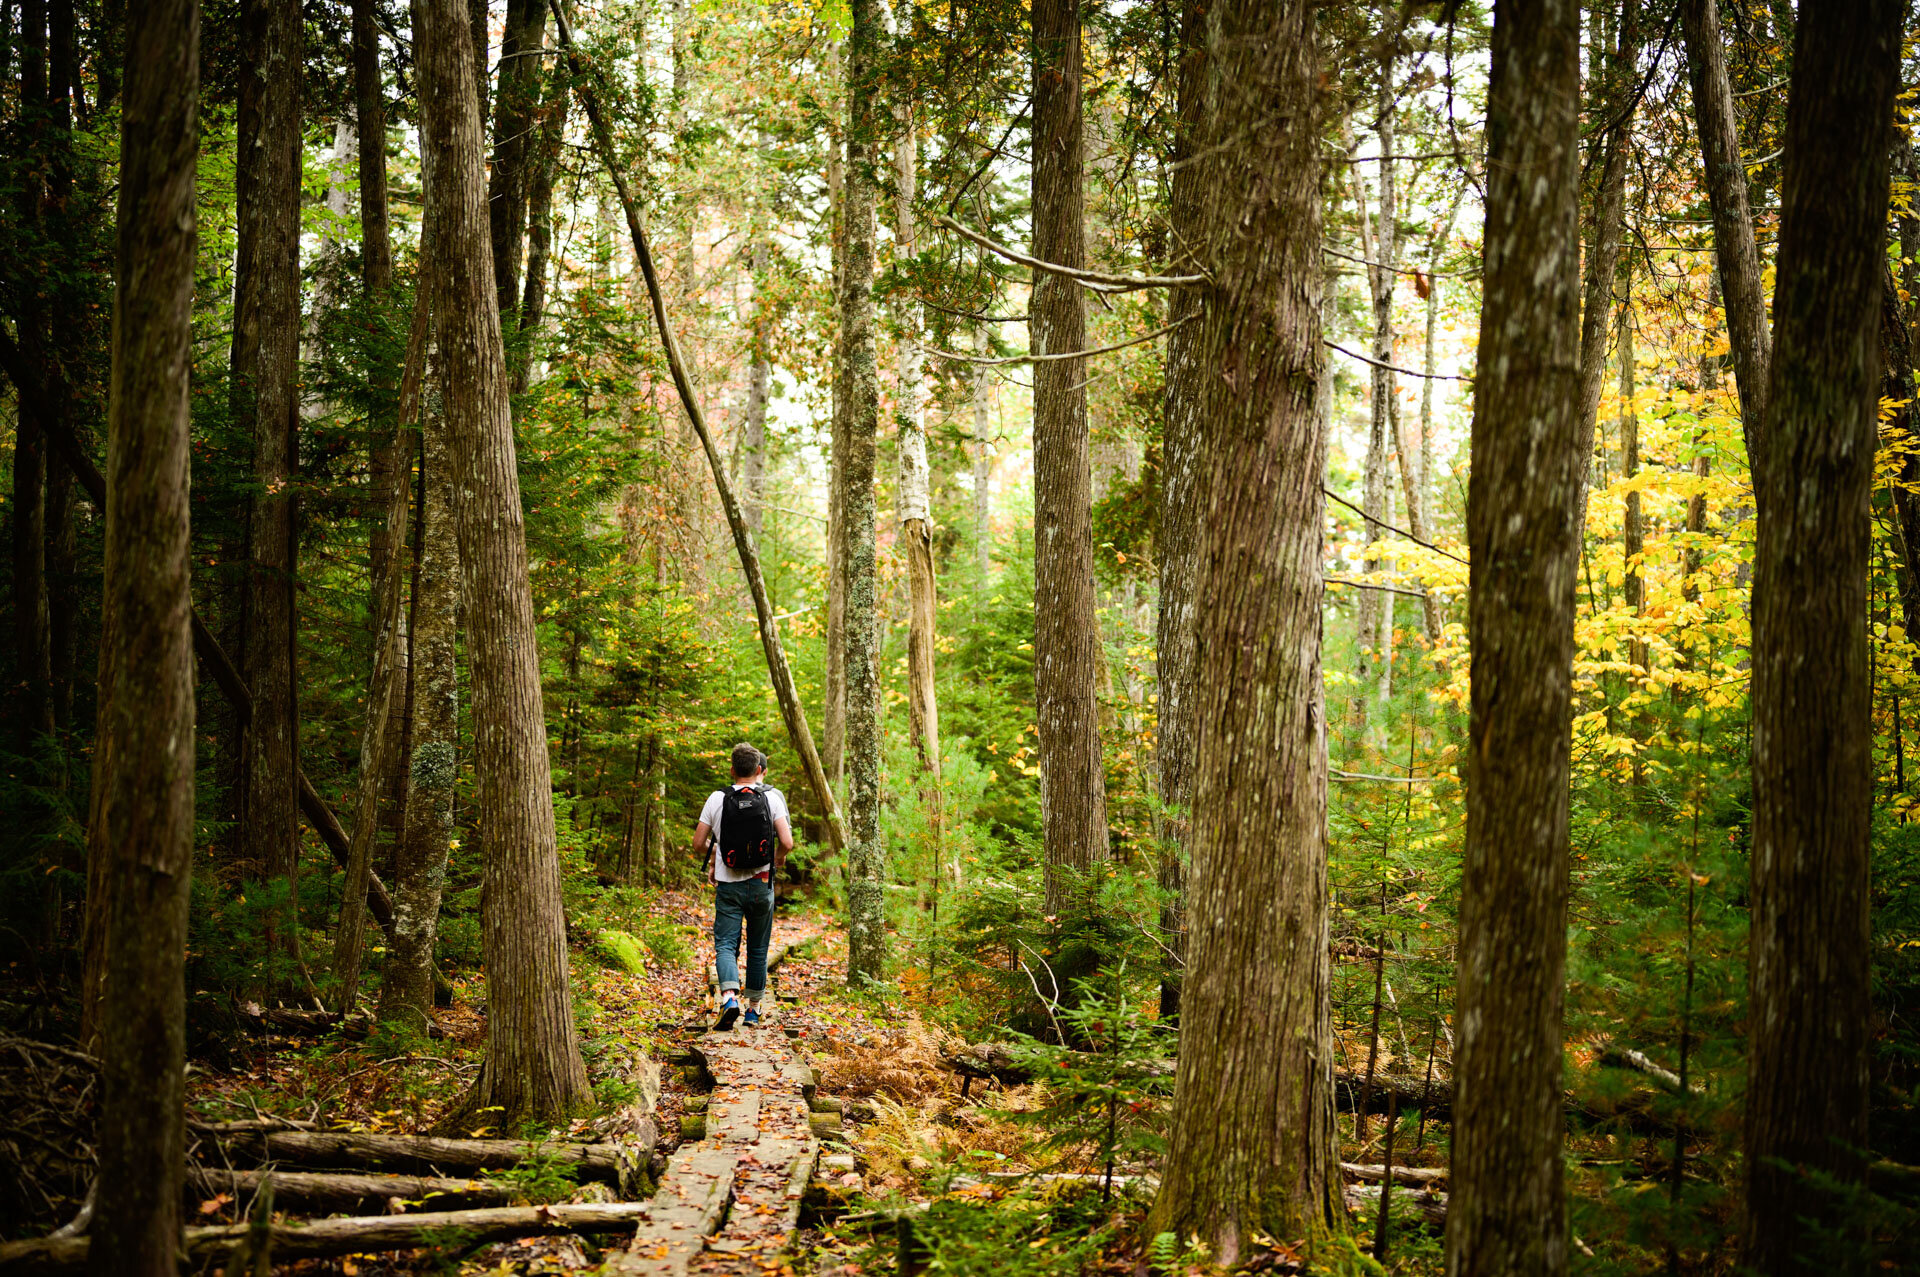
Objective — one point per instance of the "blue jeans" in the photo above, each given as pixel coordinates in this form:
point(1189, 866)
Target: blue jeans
point(735, 903)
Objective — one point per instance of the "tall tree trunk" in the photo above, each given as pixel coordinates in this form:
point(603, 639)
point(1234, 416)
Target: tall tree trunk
point(70, 350)
point(1807, 979)
point(866, 856)
point(833, 725)
point(406, 990)
point(982, 458)
point(546, 163)
point(1507, 1214)
point(509, 178)
point(1633, 532)
point(32, 640)
point(1609, 226)
point(1177, 540)
point(1420, 506)
point(752, 446)
point(265, 370)
point(1897, 384)
point(1253, 1129)
point(533, 1067)
point(1067, 654)
point(1739, 258)
point(916, 515)
point(141, 829)
point(386, 686)
point(1384, 253)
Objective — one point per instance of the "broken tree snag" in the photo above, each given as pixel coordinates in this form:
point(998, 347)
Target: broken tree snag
point(352, 1235)
point(334, 1191)
point(781, 673)
point(427, 1154)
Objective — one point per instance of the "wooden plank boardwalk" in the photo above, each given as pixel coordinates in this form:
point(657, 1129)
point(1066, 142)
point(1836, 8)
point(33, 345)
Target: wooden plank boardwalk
point(729, 1202)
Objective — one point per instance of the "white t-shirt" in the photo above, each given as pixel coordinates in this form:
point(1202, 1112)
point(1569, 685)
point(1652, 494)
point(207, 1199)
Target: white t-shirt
point(710, 817)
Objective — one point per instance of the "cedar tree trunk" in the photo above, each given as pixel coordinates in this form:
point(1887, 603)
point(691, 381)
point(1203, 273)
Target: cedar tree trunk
point(1508, 1212)
point(1252, 1149)
point(533, 1068)
point(1809, 1007)
point(1067, 657)
point(265, 371)
point(141, 828)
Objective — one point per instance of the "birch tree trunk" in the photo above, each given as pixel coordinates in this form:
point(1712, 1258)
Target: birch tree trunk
point(1067, 654)
point(532, 1068)
point(1808, 971)
point(1383, 255)
point(982, 458)
point(916, 521)
point(1507, 1214)
point(265, 359)
point(866, 857)
point(833, 727)
point(753, 435)
point(141, 827)
point(1420, 506)
point(1252, 1149)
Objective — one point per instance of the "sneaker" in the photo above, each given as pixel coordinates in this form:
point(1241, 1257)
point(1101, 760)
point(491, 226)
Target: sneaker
point(753, 1017)
point(729, 1012)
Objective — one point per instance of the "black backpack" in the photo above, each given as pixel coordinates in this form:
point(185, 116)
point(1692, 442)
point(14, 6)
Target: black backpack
point(746, 829)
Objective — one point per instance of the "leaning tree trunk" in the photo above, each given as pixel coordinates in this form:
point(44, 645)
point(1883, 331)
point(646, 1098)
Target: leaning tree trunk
point(265, 366)
point(533, 1067)
point(141, 826)
point(1177, 540)
point(1807, 978)
point(1739, 258)
point(421, 861)
point(866, 856)
point(916, 516)
point(1508, 1214)
point(1253, 1127)
point(1067, 656)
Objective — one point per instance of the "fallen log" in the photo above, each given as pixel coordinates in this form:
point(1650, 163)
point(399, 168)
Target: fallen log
point(460, 1229)
point(1414, 1176)
point(329, 1192)
point(1364, 1200)
point(429, 1154)
point(1005, 1062)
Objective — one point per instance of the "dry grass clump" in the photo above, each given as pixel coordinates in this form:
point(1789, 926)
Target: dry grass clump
point(901, 1064)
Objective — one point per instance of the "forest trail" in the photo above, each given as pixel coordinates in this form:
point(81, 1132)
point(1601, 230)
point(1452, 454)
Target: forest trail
point(729, 1201)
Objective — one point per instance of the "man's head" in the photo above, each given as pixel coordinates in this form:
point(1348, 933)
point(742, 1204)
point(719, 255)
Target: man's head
point(747, 761)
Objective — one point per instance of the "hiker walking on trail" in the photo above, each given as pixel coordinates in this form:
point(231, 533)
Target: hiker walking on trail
point(750, 835)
